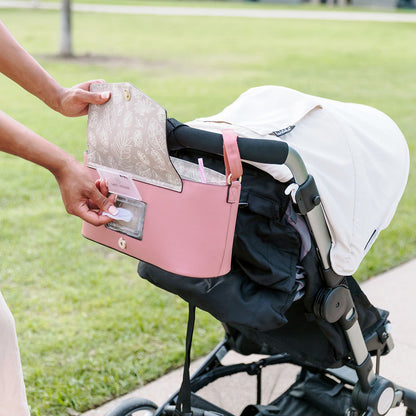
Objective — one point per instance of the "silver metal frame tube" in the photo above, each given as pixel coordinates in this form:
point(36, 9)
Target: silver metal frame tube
point(316, 217)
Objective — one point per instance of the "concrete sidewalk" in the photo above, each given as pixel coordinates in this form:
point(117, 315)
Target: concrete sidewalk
point(339, 14)
point(394, 291)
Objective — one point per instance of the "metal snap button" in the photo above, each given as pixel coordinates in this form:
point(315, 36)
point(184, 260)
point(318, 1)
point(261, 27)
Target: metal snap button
point(122, 243)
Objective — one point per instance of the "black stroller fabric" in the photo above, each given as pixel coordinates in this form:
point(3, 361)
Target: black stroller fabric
point(311, 395)
point(255, 300)
point(261, 284)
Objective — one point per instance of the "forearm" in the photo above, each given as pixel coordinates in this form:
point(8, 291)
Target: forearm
point(79, 193)
point(20, 141)
point(21, 67)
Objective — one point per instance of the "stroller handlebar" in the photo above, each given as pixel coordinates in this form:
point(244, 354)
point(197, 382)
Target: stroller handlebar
point(256, 150)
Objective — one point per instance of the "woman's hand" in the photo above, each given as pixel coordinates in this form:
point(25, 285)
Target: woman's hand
point(81, 196)
point(73, 102)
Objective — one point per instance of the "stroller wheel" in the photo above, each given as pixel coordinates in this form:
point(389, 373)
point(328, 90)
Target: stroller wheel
point(136, 406)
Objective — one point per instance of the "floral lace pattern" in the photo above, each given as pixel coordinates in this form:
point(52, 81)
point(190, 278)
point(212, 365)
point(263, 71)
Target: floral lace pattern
point(128, 133)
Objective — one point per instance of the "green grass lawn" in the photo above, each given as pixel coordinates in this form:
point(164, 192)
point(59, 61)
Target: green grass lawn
point(89, 327)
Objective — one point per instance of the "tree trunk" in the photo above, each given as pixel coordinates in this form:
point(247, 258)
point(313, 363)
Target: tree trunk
point(66, 43)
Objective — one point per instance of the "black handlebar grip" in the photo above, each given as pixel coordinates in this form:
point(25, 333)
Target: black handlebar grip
point(256, 150)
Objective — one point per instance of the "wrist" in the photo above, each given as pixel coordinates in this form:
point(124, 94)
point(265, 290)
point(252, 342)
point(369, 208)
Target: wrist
point(62, 165)
point(54, 96)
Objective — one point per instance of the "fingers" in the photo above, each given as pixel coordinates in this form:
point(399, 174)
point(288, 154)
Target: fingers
point(82, 196)
point(75, 101)
point(97, 97)
point(103, 203)
point(88, 97)
point(98, 203)
point(94, 218)
point(86, 85)
point(102, 186)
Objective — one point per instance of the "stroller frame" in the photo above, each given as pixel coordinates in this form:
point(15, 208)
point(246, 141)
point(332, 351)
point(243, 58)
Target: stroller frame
point(372, 394)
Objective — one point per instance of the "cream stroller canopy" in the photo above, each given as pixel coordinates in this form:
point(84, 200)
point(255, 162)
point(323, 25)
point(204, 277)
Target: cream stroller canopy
point(357, 155)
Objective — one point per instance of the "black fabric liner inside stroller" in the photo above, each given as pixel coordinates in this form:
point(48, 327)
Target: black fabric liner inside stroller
point(280, 300)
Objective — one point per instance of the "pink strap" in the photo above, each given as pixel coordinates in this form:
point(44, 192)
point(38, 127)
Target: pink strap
point(232, 159)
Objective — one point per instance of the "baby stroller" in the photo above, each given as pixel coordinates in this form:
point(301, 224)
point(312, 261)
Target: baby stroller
point(311, 315)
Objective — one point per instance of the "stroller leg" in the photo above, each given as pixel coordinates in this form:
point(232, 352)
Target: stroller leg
point(334, 304)
point(373, 395)
point(364, 364)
